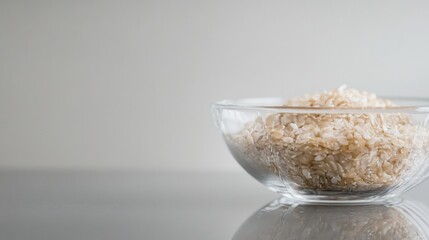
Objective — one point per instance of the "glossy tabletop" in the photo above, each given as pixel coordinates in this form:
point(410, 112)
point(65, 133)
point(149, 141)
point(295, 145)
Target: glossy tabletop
point(104, 205)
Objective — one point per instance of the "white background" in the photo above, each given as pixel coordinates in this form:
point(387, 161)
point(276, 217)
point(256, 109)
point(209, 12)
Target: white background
point(127, 84)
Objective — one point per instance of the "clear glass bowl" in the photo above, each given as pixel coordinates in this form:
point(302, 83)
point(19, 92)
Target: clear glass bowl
point(331, 155)
point(278, 221)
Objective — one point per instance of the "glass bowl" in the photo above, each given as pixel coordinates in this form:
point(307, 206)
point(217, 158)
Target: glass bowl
point(330, 155)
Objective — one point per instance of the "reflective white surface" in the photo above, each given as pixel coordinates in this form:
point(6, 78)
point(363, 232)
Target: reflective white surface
point(140, 205)
point(401, 220)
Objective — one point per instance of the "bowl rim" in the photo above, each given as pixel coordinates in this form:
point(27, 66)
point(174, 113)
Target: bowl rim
point(234, 104)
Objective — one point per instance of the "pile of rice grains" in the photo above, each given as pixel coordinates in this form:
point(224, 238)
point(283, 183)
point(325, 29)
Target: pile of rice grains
point(354, 151)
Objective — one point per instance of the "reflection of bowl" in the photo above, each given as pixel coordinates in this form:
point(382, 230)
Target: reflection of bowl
point(406, 220)
point(328, 154)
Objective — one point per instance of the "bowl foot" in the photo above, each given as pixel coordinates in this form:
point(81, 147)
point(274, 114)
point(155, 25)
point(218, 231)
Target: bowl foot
point(338, 200)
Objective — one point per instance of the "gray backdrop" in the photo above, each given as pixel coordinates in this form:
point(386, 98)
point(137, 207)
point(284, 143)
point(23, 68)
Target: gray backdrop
point(127, 84)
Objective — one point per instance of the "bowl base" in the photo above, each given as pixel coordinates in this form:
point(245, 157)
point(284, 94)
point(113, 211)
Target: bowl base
point(302, 196)
point(346, 199)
